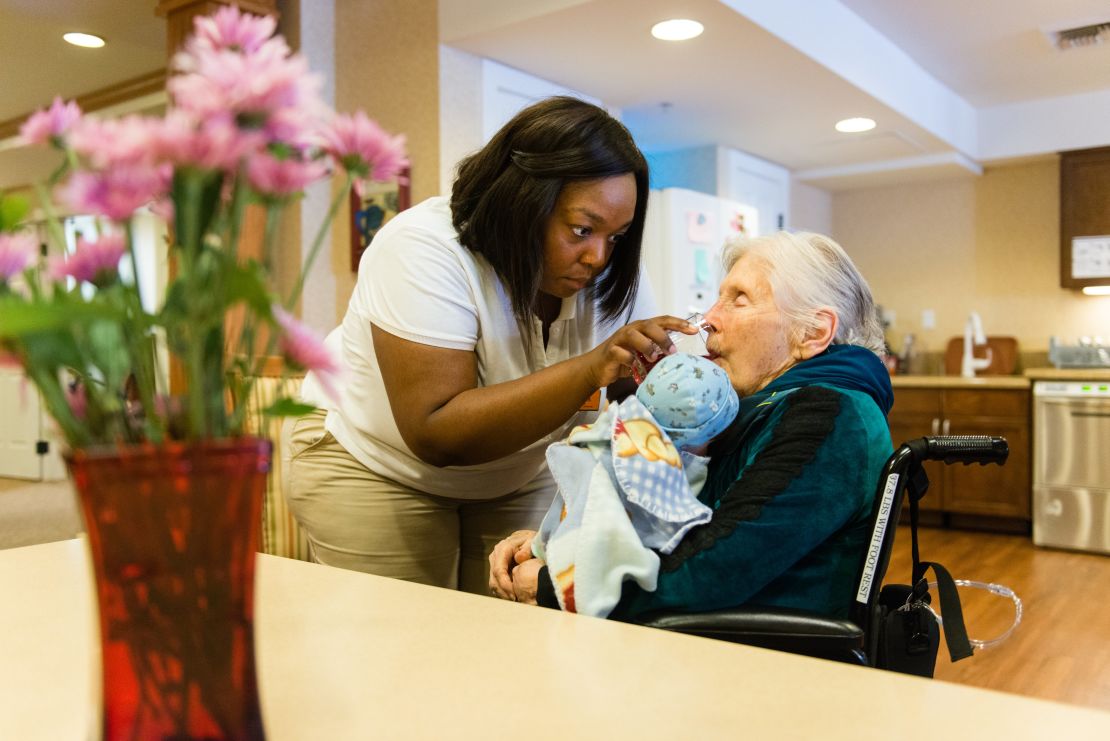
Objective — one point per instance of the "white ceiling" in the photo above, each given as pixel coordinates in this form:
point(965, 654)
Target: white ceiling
point(36, 65)
point(995, 51)
point(735, 85)
point(952, 83)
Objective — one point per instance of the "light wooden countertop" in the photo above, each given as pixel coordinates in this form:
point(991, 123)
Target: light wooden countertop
point(1068, 374)
point(957, 382)
point(344, 655)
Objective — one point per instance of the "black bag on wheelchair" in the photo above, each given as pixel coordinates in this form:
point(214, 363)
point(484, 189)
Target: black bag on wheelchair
point(908, 629)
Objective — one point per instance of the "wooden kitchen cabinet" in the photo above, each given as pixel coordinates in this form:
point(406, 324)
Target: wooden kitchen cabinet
point(918, 412)
point(960, 492)
point(1084, 190)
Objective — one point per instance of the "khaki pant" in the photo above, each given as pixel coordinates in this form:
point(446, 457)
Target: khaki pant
point(358, 520)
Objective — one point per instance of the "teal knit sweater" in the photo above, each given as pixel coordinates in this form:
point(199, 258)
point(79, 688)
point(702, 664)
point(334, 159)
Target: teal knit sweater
point(791, 485)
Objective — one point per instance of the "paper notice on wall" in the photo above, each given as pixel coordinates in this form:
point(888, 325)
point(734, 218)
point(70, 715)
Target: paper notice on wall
point(737, 225)
point(1090, 257)
point(701, 267)
point(699, 227)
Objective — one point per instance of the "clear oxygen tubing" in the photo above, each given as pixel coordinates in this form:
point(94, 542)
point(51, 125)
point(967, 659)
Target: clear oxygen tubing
point(999, 589)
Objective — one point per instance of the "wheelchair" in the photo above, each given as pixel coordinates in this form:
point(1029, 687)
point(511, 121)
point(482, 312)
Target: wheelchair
point(859, 638)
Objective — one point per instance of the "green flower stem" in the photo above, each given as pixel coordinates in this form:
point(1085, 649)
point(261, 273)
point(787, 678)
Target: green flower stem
point(246, 336)
point(71, 159)
point(187, 212)
point(31, 278)
point(314, 250)
point(273, 218)
point(143, 358)
point(193, 357)
point(51, 389)
point(214, 352)
point(193, 212)
point(318, 241)
point(53, 223)
point(194, 363)
point(239, 200)
point(245, 381)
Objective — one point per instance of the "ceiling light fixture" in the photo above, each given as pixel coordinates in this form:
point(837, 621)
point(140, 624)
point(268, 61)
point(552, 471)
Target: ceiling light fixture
point(1097, 290)
point(677, 29)
point(855, 125)
point(87, 40)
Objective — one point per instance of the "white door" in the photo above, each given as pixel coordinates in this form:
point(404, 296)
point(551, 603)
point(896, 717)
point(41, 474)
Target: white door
point(21, 417)
point(758, 183)
point(505, 91)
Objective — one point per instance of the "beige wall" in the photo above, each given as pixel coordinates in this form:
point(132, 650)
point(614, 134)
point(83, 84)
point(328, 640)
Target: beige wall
point(387, 63)
point(989, 244)
point(810, 209)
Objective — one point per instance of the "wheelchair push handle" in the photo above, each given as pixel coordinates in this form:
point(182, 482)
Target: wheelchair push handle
point(966, 449)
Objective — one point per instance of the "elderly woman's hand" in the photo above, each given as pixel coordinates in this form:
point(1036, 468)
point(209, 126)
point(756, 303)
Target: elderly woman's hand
point(526, 579)
point(613, 358)
point(513, 550)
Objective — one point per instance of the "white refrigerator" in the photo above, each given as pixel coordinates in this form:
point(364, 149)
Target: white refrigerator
point(683, 236)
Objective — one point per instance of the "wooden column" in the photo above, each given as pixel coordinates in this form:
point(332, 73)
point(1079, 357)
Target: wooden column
point(179, 15)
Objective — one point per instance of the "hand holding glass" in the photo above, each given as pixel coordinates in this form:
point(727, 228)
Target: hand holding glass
point(693, 344)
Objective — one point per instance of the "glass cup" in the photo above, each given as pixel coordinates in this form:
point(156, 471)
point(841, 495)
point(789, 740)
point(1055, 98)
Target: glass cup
point(693, 344)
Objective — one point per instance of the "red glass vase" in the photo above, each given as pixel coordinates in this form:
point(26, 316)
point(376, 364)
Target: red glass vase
point(173, 531)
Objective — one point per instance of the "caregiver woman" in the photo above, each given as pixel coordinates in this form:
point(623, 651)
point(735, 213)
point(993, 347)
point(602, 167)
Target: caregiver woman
point(478, 328)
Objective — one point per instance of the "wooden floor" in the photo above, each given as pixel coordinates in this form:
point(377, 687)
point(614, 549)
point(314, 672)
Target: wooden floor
point(1061, 650)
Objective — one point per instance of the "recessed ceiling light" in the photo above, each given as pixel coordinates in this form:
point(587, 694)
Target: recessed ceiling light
point(677, 29)
point(84, 39)
point(855, 125)
point(1097, 290)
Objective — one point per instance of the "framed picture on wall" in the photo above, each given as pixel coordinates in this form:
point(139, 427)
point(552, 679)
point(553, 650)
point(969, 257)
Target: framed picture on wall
point(378, 203)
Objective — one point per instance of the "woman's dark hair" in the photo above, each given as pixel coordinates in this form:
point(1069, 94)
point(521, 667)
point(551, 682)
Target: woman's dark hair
point(505, 192)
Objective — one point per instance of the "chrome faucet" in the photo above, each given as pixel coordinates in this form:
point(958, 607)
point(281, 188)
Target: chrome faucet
point(973, 335)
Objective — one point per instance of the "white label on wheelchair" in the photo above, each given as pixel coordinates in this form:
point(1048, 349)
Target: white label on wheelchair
point(876, 545)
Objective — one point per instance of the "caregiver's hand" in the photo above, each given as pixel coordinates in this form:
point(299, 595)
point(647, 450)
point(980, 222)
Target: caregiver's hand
point(513, 550)
point(612, 359)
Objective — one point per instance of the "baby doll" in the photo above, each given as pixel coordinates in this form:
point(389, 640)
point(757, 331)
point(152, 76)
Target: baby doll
point(628, 483)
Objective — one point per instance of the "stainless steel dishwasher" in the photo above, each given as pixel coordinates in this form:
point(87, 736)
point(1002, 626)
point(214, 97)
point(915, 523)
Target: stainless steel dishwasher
point(1071, 465)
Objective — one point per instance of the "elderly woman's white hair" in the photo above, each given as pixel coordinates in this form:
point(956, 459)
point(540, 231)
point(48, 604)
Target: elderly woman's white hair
point(809, 271)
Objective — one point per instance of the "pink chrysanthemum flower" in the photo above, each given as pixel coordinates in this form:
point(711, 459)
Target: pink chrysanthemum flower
point(250, 86)
point(164, 209)
point(277, 177)
point(116, 192)
point(305, 349)
point(114, 142)
point(50, 124)
point(17, 251)
point(363, 148)
point(298, 127)
point(213, 143)
point(269, 92)
point(228, 28)
point(93, 262)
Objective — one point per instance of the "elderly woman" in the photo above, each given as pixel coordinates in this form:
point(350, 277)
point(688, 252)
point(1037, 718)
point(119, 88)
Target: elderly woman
point(792, 481)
